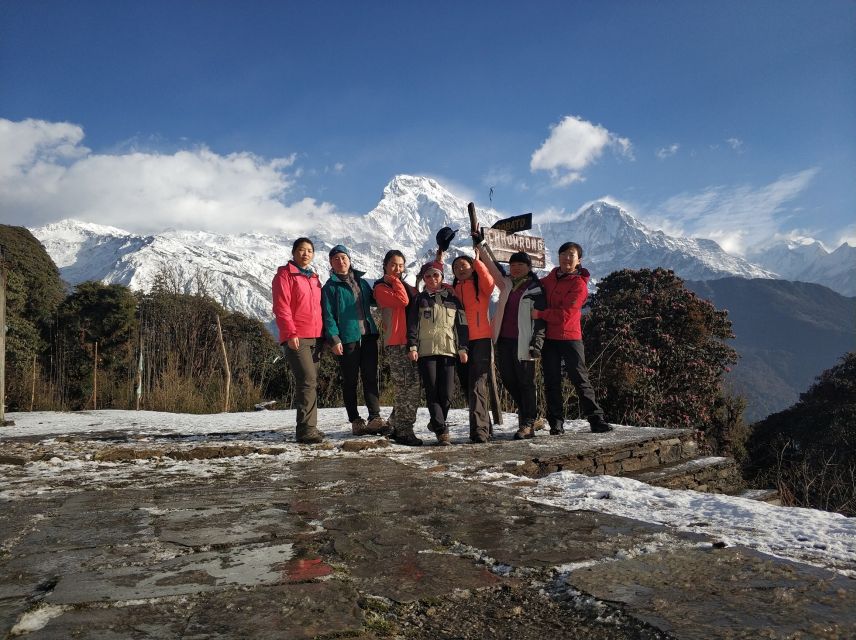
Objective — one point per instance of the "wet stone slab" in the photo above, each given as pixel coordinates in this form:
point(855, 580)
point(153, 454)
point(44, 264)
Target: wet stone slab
point(497, 521)
point(726, 593)
point(298, 612)
point(193, 573)
point(364, 546)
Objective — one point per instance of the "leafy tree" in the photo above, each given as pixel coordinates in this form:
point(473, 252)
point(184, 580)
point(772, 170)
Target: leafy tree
point(656, 351)
point(104, 315)
point(39, 288)
point(33, 292)
point(809, 450)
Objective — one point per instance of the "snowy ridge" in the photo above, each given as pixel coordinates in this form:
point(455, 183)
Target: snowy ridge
point(807, 260)
point(612, 239)
point(236, 270)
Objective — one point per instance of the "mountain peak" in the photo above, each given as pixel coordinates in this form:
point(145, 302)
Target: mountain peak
point(404, 184)
point(70, 225)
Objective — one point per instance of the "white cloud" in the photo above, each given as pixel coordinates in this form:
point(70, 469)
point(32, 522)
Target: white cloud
point(668, 152)
point(848, 235)
point(573, 145)
point(736, 217)
point(47, 175)
point(736, 144)
point(35, 142)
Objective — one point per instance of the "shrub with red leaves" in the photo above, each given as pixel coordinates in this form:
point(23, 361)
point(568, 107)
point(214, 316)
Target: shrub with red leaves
point(656, 351)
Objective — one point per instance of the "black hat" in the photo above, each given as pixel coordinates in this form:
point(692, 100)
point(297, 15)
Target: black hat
point(444, 237)
point(521, 256)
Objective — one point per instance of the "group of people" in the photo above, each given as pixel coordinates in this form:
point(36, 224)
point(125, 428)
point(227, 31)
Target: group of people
point(429, 333)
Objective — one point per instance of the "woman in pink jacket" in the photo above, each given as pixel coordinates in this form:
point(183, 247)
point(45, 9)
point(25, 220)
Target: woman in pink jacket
point(297, 309)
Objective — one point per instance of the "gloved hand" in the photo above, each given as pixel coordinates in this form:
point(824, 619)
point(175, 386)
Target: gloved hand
point(444, 238)
point(478, 238)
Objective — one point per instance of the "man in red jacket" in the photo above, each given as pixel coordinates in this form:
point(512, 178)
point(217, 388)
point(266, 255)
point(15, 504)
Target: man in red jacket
point(566, 289)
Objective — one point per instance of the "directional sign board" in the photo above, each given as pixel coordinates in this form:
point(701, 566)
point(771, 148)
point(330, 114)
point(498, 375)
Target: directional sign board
point(514, 223)
point(504, 244)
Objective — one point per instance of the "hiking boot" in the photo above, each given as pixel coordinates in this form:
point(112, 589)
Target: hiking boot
point(479, 438)
point(525, 432)
point(405, 436)
point(379, 426)
point(599, 425)
point(443, 439)
point(539, 424)
point(557, 428)
point(309, 435)
point(360, 428)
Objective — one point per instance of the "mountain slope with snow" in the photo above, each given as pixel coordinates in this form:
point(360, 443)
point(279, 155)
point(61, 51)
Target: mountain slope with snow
point(237, 270)
point(807, 260)
point(612, 239)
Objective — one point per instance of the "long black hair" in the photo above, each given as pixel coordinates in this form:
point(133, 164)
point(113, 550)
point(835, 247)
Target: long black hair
point(392, 253)
point(475, 275)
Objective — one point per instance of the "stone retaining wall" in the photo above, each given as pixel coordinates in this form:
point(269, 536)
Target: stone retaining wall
point(719, 475)
point(635, 456)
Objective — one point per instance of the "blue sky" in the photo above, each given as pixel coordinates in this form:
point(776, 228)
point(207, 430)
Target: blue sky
point(729, 120)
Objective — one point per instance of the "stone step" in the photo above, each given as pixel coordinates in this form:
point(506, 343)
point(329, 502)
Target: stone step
point(617, 457)
point(709, 474)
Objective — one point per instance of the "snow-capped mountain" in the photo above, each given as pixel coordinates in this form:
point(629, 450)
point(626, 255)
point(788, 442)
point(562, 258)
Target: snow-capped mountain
point(612, 239)
point(807, 260)
point(237, 269)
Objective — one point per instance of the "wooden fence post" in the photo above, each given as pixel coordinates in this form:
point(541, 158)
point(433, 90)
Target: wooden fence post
point(225, 364)
point(2, 342)
point(95, 379)
point(33, 388)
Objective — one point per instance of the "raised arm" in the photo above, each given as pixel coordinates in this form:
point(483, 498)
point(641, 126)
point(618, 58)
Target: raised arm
point(391, 293)
point(495, 273)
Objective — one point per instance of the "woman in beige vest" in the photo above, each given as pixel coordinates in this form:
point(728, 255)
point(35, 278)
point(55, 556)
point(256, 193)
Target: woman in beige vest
point(436, 336)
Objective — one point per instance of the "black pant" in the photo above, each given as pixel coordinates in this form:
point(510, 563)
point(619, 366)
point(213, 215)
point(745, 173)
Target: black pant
point(438, 378)
point(474, 381)
point(518, 378)
point(359, 359)
point(571, 352)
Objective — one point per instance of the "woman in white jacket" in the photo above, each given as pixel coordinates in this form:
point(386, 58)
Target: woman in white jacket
point(518, 338)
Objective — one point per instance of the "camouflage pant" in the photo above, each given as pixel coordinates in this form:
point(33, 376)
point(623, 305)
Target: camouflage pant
point(406, 387)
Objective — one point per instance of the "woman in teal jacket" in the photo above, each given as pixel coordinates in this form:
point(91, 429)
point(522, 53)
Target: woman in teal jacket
point(346, 301)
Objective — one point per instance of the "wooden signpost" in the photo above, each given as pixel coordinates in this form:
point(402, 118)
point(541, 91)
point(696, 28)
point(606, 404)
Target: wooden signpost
point(504, 245)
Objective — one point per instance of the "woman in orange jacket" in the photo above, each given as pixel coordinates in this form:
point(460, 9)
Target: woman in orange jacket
point(394, 297)
point(473, 286)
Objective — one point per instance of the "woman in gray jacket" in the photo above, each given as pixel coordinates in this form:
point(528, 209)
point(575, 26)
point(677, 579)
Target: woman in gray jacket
point(517, 337)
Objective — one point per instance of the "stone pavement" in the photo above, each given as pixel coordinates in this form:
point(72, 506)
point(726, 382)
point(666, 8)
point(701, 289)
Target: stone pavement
point(364, 546)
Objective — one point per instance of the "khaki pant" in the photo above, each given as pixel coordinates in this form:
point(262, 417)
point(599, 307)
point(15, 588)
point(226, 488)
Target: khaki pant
point(304, 365)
